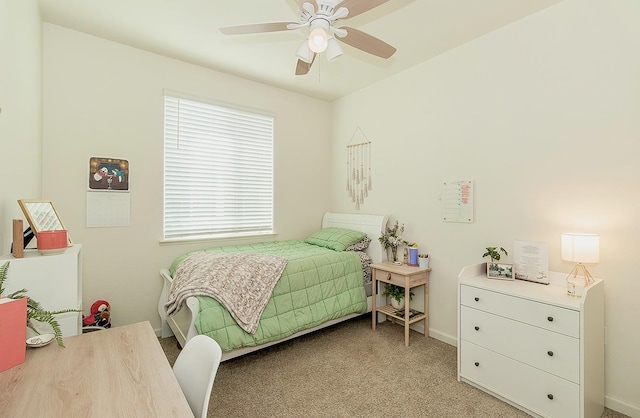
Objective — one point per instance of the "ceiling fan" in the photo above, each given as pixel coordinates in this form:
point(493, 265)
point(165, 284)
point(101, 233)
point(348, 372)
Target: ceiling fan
point(321, 16)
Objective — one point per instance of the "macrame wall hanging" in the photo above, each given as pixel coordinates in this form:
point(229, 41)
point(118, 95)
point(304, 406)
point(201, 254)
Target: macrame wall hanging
point(358, 167)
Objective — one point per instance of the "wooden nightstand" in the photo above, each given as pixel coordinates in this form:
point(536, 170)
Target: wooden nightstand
point(407, 277)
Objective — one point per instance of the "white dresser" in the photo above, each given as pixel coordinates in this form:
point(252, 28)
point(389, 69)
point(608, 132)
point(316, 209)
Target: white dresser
point(531, 344)
point(53, 280)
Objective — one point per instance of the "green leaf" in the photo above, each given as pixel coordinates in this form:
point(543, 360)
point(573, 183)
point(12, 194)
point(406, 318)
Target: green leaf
point(35, 311)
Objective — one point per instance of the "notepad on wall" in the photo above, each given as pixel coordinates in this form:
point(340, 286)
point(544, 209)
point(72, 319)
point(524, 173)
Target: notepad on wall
point(13, 332)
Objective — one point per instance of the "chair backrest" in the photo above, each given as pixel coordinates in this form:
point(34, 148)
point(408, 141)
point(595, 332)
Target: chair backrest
point(196, 368)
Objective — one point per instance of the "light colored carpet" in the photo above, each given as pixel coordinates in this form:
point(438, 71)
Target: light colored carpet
point(349, 370)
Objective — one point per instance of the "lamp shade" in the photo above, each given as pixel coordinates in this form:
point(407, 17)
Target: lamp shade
point(581, 248)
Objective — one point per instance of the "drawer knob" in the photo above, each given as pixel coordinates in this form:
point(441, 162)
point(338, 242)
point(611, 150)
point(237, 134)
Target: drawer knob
point(476, 328)
point(477, 364)
point(477, 299)
point(389, 276)
point(550, 318)
point(550, 353)
point(550, 396)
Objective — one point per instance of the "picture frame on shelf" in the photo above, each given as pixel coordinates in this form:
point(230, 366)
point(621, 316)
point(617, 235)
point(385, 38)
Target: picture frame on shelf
point(42, 216)
point(501, 271)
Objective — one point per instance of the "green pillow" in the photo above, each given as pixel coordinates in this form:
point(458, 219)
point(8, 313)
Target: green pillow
point(337, 239)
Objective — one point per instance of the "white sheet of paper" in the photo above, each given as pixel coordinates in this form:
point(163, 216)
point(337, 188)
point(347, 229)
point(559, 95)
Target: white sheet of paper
point(108, 209)
point(531, 261)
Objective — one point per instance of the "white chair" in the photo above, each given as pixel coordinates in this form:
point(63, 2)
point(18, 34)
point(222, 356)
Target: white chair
point(196, 368)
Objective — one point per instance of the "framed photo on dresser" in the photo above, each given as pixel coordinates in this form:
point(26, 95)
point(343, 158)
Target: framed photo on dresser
point(502, 271)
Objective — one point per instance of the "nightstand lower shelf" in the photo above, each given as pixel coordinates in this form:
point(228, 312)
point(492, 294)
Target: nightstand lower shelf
point(398, 314)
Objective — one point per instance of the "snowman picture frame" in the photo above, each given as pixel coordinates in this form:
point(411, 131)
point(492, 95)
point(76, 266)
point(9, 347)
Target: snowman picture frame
point(108, 174)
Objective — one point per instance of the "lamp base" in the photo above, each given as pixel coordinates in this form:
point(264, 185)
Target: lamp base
point(578, 280)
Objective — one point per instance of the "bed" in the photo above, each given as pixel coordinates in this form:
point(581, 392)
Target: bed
point(217, 322)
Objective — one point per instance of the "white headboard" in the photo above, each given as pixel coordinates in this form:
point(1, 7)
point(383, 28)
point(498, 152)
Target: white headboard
point(372, 225)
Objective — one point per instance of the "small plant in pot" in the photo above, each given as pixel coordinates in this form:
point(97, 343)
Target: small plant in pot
point(396, 293)
point(494, 254)
point(35, 311)
point(392, 238)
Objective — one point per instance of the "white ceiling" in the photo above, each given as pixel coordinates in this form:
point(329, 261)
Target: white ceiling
point(188, 30)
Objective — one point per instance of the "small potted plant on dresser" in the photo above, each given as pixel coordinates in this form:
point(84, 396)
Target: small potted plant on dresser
point(494, 254)
point(396, 294)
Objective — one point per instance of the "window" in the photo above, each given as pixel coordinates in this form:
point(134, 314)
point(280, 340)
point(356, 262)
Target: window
point(218, 170)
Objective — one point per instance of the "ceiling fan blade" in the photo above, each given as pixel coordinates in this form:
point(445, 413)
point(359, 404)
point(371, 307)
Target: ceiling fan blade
point(302, 68)
point(256, 28)
point(357, 7)
point(367, 43)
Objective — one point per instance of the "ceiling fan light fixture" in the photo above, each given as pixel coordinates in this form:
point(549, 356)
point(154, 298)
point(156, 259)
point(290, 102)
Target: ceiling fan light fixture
point(321, 18)
point(334, 51)
point(303, 52)
point(318, 40)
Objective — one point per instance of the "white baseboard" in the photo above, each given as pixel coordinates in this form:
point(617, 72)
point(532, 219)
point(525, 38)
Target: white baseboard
point(441, 336)
point(445, 338)
point(623, 407)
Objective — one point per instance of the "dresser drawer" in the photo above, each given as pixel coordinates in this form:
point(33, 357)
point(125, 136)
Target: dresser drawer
point(553, 318)
point(534, 389)
point(400, 279)
point(550, 351)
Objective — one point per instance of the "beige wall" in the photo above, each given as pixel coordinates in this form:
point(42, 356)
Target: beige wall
point(20, 110)
point(544, 116)
point(104, 99)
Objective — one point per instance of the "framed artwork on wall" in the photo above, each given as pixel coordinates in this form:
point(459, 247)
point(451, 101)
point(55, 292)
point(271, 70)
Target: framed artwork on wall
point(108, 174)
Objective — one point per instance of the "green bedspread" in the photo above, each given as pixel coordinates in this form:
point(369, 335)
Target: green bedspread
point(317, 285)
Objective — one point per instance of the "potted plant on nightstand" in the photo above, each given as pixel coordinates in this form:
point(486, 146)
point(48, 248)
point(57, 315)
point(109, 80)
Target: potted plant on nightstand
point(396, 294)
point(35, 311)
point(392, 238)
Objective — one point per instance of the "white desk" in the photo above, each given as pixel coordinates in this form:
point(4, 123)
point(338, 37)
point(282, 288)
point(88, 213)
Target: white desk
point(119, 372)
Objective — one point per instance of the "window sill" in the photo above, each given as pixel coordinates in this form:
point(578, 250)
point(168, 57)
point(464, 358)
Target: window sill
point(219, 239)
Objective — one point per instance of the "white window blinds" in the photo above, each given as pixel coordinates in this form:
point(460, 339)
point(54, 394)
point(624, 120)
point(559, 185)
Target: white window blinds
point(218, 170)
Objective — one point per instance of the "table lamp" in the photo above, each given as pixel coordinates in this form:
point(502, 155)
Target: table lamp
point(580, 248)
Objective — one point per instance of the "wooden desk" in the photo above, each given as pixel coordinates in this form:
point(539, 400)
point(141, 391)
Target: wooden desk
point(119, 372)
